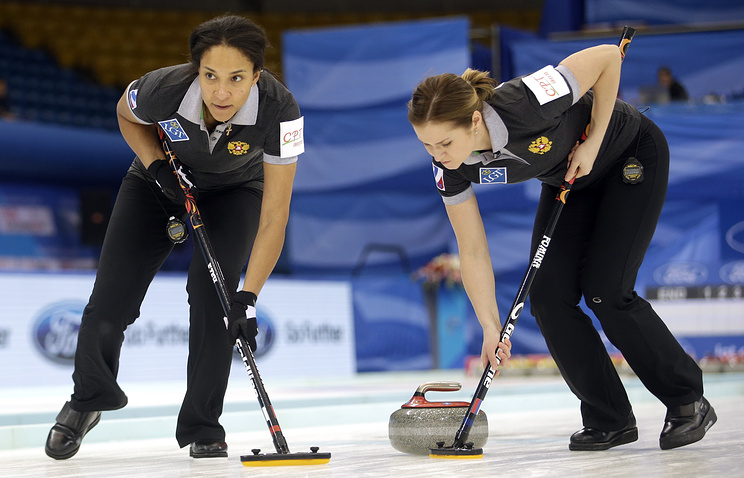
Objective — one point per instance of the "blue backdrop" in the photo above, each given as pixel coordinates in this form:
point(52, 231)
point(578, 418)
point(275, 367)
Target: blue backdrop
point(704, 62)
point(364, 179)
point(365, 185)
point(656, 12)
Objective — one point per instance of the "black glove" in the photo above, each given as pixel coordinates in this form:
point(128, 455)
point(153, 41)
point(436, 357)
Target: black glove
point(166, 178)
point(241, 320)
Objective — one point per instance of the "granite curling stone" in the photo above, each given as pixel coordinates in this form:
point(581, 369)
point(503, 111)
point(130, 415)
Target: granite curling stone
point(420, 424)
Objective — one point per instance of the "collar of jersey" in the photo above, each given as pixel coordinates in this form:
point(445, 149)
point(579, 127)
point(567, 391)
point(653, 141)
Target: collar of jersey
point(499, 137)
point(496, 128)
point(191, 106)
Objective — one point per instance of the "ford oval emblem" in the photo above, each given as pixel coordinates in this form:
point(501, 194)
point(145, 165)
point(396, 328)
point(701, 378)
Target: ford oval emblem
point(56, 329)
point(681, 273)
point(735, 237)
point(733, 272)
point(265, 338)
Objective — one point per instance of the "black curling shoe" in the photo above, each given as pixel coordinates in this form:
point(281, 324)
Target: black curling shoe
point(208, 449)
point(686, 424)
point(592, 439)
point(67, 434)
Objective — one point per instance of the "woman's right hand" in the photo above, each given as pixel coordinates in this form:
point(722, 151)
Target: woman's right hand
point(166, 178)
point(495, 352)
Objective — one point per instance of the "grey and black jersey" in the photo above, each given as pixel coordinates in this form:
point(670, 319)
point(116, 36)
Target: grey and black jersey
point(533, 122)
point(267, 128)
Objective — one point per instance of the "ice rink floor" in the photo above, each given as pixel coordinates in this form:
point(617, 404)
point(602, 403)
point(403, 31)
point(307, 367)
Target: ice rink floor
point(530, 420)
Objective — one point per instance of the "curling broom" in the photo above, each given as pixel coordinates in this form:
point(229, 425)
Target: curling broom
point(282, 455)
point(461, 448)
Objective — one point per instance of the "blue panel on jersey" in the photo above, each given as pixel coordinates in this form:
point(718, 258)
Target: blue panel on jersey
point(174, 130)
point(493, 175)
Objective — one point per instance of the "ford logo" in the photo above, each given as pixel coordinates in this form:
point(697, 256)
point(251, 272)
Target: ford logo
point(681, 273)
point(56, 329)
point(735, 237)
point(733, 272)
point(265, 338)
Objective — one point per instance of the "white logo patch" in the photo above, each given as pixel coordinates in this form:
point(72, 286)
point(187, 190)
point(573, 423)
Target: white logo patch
point(292, 139)
point(547, 84)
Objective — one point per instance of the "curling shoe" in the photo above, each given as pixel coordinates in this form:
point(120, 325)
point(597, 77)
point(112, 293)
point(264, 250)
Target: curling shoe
point(593, 439)
point(686, 424)
point(208, 449)
point(67, 434)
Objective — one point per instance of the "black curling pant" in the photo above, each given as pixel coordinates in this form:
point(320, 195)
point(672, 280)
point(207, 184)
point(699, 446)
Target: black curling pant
point(597, 248)
point(135, 247)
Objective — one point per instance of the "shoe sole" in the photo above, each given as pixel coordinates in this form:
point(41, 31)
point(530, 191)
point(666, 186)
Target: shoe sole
point(627, 436)
point(73, 452)
point(218, 454)
point(667, 443)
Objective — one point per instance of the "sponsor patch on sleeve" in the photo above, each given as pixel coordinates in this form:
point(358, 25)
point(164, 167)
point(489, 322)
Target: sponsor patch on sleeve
point(547, 84)
point(438, 177)
point(133, 98)
point(292, 137)
point(174, 130)
point(493, 175)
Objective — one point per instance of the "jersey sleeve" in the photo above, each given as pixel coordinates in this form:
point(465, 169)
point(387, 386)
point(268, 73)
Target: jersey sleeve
point(143, 97)
point(549, 92)
point(285, 139)
point(453, 188)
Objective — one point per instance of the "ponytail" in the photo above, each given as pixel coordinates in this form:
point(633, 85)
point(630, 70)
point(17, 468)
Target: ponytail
point(484, 85)
point(448, 98)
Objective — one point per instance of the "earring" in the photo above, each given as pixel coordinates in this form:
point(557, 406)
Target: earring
point(476, 131)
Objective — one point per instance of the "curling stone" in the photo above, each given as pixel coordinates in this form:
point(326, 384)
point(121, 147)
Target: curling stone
point(420, 424)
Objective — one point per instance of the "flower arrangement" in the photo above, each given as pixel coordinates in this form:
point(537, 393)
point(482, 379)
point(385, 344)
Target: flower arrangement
point(443, 268)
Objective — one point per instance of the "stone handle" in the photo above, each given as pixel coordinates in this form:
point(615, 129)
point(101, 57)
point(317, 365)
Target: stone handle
point(419, 400)
point(438, 387)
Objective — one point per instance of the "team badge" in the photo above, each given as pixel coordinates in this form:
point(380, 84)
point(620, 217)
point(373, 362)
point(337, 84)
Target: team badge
point(632, 171)
point(238, 147)
point(438, 177)
point(174, 130)
point(493, 175)
point(541, 145)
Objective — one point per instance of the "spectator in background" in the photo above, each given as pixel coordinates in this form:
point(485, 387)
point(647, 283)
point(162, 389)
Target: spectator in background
point(5, 112)
point(675, 89)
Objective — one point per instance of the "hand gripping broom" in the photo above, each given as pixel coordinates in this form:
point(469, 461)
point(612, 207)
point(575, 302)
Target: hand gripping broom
point(282, 455)
point(461, 448)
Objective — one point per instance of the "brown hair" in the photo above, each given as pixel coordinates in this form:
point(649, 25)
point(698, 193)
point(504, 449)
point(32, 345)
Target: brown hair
point(448, 98)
